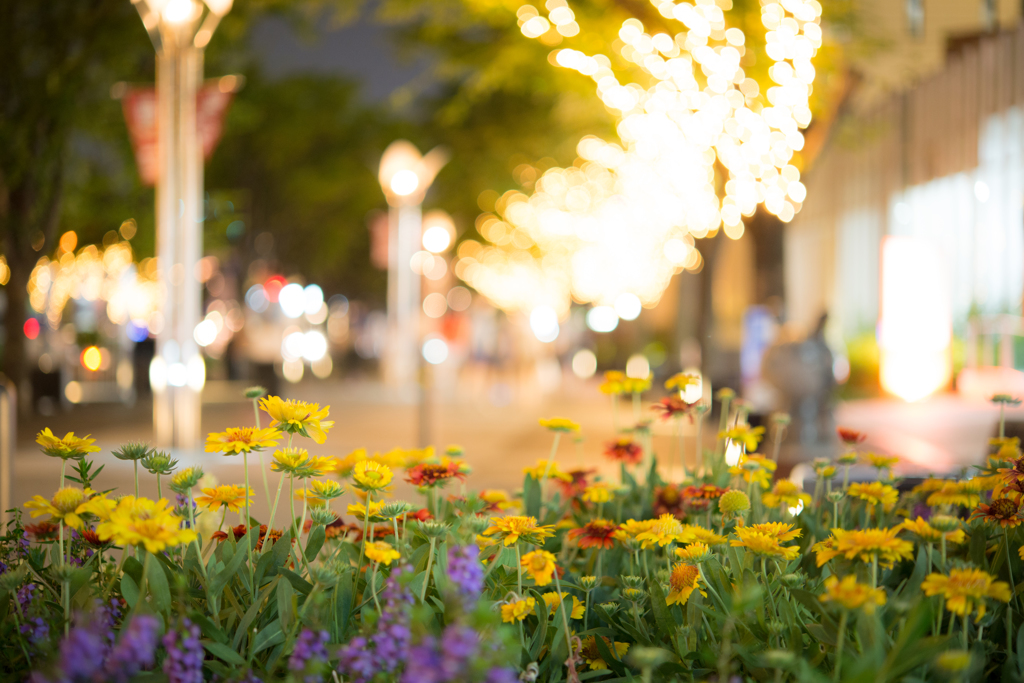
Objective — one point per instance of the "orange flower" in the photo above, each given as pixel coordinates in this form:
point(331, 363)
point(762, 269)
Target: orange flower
point(597, 533)
point(1003, 511)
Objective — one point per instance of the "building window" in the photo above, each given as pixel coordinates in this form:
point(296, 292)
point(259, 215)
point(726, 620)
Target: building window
point(915, 17)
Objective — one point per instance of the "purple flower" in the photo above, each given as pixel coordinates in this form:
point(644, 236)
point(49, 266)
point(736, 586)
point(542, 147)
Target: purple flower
point(81, 655)
point(309, 655)
point(501, 674)
point(465, 570)
point(361, 660)
point(185, 654)
point(135, 651)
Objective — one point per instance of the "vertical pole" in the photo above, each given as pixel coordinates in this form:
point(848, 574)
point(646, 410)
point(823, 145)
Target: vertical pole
point(8, 425)
point(176, 405)
point(405, 226)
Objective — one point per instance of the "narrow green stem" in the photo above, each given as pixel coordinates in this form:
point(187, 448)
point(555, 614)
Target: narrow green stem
point(965, 631)
point(840, 641)
point(366, 532)
point(1009, 567)
point(547, 469)
point(561, 609)
point(519, 571)
point(373, 588)
point(248, 525)
point(273, 512)
point(426, 577)
point(767, 587)
point(874, 570)
point(135, 463)
point(63, 466)
point(195, 541)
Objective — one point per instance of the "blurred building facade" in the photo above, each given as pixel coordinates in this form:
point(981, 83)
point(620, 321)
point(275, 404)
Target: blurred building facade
point(914, 221)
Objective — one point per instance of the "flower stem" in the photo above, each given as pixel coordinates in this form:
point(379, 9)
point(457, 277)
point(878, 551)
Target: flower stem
point(63, 466)
point(64, 582)
point(366, 531)
point(840, 641)
point(1009, 567)
point(373, 588)
point(273, 512)
point(519, 570)
point(192, 525)
point(874, 570)
point(136, 464)
point(561, 608)
point(767, 587)
point(248, 525)
point(426, 577)
point(547, 468)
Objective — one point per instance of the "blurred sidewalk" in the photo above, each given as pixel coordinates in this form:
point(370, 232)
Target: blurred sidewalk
point(942, 434)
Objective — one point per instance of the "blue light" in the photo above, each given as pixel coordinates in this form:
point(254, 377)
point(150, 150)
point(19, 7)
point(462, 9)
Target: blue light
point(137, 331)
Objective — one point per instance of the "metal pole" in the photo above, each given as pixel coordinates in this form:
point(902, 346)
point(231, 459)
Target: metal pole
point(406, 223)
point(176, 404)
point(8, 426)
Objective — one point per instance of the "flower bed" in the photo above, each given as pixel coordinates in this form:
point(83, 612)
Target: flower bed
point(730, 572)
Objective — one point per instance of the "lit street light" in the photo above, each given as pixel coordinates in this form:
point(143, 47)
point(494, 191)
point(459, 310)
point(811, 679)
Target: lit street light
point(405, 177)
point(180, 30)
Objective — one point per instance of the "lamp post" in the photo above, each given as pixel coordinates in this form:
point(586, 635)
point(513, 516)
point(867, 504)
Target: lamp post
point(405, 176)
point(180, 30)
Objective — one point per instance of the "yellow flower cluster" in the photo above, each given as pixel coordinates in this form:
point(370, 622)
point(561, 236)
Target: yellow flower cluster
point(864, 545)
point(965, 590)
point(850, 594)
point(140, 521)
point(512, 529)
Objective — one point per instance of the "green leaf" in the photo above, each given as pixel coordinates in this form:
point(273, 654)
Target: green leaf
point(541, 634)
point(666, 624)
point(285, 604)
point(271, 635)
point(133, 568)
point(297, 582)
point(531, 496)
point(224, 652)
point(210, 629)
point(344, 601)
point(129, 589)
point(250, 615)
point(1020, 649)
point(606, 654)
point(220, 579)
point(315, 542)
point(156, 580)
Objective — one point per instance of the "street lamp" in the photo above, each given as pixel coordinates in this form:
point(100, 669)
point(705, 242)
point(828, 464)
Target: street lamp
point(405, 177)
point(180, 30)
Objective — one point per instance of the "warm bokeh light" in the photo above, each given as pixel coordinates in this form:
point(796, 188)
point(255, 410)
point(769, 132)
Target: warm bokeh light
point(91, 358)
point(915, 328)
point(624, 218)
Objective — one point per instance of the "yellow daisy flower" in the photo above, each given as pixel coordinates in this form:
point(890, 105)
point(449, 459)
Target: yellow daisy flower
point(241, 440)
point(873, 493)
point(761, 543)
point(694, 553)
point(746, 435)
point(613, 383)
point(683, 580)
point(850, 594)
point(632, 528)
point(882, 462)
point(598, 492)
point(359, 511)
point(517, 610)
point(496, 499)
point(325, 489)
point(370, 475)
point(785, 492)
point(864, 544)
point(692, 533)
point(551, 600)
point(382, 552)
point(961, 494)
point(663, 531)
point(542, 467)
point(71, 447)
point(298, 417)
point(540, 565)
point(63, 507)
point(926, 532)
point(228, 495)
point(140, 521)
point(966, 589)
point(637, 385)
point(559, 424)
point(513, 528)
point(681, 380)
point(754, 468)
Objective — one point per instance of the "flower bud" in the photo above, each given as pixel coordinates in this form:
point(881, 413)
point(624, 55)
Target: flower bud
point(633, 594)
point(255, 392)
point(733, 501)
point(632, 581)
point(587, 583)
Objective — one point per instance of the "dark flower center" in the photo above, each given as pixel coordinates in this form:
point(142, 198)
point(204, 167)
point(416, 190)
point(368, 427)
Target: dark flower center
point(1004, 508)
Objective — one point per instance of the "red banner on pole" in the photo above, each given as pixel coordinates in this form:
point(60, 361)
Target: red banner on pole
point(140, 112)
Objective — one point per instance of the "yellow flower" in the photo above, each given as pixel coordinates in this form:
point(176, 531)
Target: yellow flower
point(963, 588)
point(780, 531)
point(881, 462)
point(496, 499)
point(749, 436)
point(592, 656)
point(852, 595)
point(663, 531)
point(241, 439)
point(326, 490)
point(543, 467)
point(928, 485)
point(517, 610)
point(694, 553)
point(763, 543)
point(598, 492)
point(692, 533)
point(230, 496)
point(630, 529)
point(612, 384)
point(963, 494)
point(309, 498)
point(513, 528)
point(63, 507)
point(291, 461)
point(785, 492)
point(298, 417)
point(324, 464)
point(359, 511)
point(636, 385)
point(140, 521)
point(682, 582)
point(559, 424)
point(100, 506)
point(540, 565)
point(346, 464)
point(864, 544)
point(379, 551)
point(551, 600)
point(681, 380)
point(873, 493)
point(754, 468)
point(371, 475)
point(71, 447)
point(926, 532)
point(184, 479)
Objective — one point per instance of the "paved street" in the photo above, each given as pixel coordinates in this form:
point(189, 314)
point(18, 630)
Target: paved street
point(942, 434)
